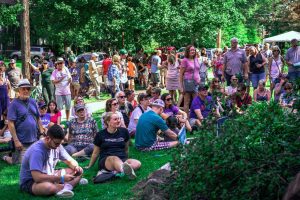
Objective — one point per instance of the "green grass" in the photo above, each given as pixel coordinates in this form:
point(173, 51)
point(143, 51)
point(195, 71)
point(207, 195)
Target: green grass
point(116, 189)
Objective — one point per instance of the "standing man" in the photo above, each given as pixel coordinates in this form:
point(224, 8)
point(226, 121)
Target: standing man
point(38, 175)
point(293, 60)
point(93, 72)
point(155, 66)
point(24, 122)
point(61, 78)
point(105, 66)
point(235, 63)
point(14, 76)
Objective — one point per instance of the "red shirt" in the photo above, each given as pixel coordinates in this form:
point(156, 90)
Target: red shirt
point(105, 64)
point(246, 101)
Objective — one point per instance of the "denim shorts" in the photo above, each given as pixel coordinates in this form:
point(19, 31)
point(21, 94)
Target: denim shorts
point(62, 100)
point(255, 78)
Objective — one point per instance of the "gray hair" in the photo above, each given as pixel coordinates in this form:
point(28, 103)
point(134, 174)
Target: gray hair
point(234, 39)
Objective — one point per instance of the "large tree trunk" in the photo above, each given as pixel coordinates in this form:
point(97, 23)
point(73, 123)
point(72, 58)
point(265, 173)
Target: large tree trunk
point(25, 39)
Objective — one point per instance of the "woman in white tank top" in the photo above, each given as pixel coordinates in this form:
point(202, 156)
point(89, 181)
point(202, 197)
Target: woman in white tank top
point(276, 64)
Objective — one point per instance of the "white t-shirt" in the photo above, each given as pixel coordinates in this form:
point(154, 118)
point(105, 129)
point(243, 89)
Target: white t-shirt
point(135, 115)
point(63, 87)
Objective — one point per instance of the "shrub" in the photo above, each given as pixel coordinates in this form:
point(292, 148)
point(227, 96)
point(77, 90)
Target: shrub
point(255, 158)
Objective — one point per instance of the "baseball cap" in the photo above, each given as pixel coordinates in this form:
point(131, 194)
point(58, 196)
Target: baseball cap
point(202, 87)
point(41, 104)
point(12, 61)
point(123, 52)
point(158, 102)
point(95, 55)
point(79, 107)
point(60, 60)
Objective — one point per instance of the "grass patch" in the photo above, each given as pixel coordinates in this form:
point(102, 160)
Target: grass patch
point(116, 189)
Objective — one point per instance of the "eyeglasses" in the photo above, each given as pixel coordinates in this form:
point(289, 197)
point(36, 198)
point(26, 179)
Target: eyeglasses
point(169, 99)
point(122, 97)
point(114, 104)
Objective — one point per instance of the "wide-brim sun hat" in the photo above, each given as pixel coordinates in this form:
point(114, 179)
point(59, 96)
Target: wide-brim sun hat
point(24, 83)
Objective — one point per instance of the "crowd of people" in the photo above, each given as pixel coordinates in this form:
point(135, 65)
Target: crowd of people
point(153, 119)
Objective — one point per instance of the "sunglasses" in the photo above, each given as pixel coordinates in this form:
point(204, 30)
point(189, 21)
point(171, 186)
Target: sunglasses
point(169, 99)
point(122, 97)
point(114, 104)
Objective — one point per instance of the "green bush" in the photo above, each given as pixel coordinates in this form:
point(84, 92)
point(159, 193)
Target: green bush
point(255, 158)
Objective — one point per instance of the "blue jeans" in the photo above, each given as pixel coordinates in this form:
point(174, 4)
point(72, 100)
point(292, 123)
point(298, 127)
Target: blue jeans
point(255, 78)
point(294, 75)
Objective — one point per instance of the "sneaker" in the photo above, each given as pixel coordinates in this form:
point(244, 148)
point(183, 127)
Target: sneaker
point(64, 193)
point(83, 181)
point(128, 171)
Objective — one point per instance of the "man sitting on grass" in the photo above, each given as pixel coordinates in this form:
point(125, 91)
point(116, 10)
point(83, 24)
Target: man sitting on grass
point(148, 125)
point(38, 176)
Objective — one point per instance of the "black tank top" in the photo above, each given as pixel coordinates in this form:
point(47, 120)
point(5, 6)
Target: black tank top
point(256, 60)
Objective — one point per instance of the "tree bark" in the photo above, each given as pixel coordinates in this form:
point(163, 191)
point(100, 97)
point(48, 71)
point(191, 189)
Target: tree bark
point(25, 39)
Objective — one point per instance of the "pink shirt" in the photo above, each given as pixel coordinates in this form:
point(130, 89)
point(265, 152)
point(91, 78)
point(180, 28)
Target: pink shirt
point(192, 69)
point(54, 118)
point(63, 87)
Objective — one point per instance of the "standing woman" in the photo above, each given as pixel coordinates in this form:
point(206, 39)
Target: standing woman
point(189, 76)
point(172, 82)
point(257, 62)
point(47, 85)
point(113, 75)
point(276, 63)
point(203, 61)
point(218, 64)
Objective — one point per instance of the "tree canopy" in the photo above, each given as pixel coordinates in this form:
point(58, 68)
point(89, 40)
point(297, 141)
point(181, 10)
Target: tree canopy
point(92, 23)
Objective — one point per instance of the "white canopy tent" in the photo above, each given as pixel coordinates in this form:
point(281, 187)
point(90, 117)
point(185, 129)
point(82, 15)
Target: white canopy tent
point(285, 37)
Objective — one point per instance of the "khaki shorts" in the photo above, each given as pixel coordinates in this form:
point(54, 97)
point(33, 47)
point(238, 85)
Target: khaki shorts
point(17, 156)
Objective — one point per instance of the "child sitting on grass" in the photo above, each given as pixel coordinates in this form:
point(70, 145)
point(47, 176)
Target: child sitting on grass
point(5, 135)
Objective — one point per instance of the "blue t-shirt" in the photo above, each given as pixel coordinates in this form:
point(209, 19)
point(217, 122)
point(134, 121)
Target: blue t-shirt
point(154, 64)
point(45, 119)
point(75, 73)
point(204, 106)
point(25, 115)
point(148, 125)
point(39, 158)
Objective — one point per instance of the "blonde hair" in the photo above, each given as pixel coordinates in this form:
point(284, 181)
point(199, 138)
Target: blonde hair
point(276, 48)
point(107, 117)
point(116, 59)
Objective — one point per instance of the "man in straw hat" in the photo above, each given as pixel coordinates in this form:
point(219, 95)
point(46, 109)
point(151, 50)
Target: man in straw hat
point(61, 78)
point(23, 122)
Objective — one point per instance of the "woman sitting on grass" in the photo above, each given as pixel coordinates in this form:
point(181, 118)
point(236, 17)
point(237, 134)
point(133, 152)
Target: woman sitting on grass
point(261, 93)
point(55, 114)
point(112, 145)
point(78, 100)
point(112, 105)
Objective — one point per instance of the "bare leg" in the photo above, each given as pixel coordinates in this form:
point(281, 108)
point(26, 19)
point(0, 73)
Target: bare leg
point(67, 115)
point(174, 144)
point(187, 98)
point(114, 163)
point(46, 188)
point(8, 159)
point(79, 153)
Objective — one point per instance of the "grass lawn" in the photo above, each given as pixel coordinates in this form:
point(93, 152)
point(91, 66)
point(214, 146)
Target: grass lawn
point(116, 189)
